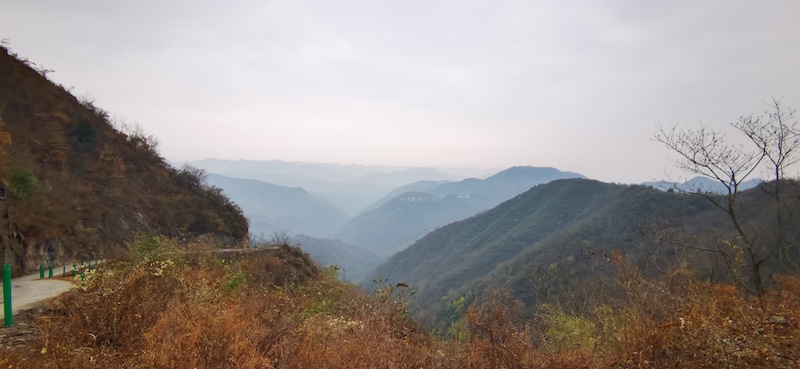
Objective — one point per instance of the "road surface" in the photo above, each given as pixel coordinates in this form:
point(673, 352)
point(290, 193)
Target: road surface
point(28, 290)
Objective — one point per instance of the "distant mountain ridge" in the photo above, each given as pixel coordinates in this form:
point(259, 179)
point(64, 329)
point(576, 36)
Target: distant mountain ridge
point(503, 185)
point(419, 186)
point(354, 262)
point(272, 208)
point(700, 184)
point(348, 187)
point(399, 221)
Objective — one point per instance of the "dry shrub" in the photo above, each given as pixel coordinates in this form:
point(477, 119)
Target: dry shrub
point(109, 316)
point(222, 335)
point(273, 309)
point(498, 338)
point(717, 326)
point(339, 342)
point(279, 266)
point(354, 330)
point(576, 359)
point(673, 322)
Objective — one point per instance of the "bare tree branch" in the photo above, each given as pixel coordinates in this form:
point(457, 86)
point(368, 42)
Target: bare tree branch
point(704, 151)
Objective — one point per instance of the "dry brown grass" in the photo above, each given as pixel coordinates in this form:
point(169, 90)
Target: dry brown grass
point(682, 322)
point(270, 310)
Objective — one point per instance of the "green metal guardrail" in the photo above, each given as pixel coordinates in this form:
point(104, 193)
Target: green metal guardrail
point(8, 316)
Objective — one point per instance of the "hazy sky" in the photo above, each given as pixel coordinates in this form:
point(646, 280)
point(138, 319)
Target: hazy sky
point(578, 85)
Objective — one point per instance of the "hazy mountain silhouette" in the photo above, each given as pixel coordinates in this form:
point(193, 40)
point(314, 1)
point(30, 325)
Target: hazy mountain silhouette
point(700, 184)
point(348, 187)
point(401, 220)
point(354, 262)
point(273, 208)
point(419, 186)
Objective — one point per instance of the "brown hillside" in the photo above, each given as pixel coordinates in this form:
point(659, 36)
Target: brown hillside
point(75, 186)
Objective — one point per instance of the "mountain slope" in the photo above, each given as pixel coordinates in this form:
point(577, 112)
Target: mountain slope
point(274, 208)
point(354, 262)
point(75, 186)
point(400, 221)
point(534, 229)
point(419, 186)
point(503, 185)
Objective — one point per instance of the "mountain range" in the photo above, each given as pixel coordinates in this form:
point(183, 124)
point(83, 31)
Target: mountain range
point(354, 263)
point(272, 208)
point(700, 184)
point(399, 221)
point(358, 244)
point(572, 224)
point(348, 187)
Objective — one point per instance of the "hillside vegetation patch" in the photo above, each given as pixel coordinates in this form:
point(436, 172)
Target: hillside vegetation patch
point(273, 309)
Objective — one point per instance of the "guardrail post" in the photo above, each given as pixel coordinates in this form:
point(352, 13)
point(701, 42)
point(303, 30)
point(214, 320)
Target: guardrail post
point(41, 271)
point(64, 272)
point(50, 271)
point(8, 314)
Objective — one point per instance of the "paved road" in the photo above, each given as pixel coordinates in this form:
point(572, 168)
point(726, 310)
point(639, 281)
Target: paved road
point(28, 290)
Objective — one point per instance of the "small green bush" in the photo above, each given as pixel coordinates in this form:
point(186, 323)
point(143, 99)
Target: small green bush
point(149, 246)
point(235, 281)
point(23, 183)
point(565, 331)
point(84, 136)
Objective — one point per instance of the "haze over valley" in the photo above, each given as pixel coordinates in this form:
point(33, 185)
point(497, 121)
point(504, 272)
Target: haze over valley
point(403, 204)
point(406, 203)
point(449, 184)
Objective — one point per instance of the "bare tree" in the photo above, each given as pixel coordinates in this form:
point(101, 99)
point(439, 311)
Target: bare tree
point(280, 238)
point(193, 177)
point(706, 152)
point(777, 140)
point(43, 71)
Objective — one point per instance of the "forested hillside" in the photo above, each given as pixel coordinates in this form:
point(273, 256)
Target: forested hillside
point(544, 240)
point(75, 186)
point(272, 308)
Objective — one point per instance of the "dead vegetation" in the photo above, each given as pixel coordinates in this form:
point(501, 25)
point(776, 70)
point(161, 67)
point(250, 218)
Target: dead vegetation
point(273, 309)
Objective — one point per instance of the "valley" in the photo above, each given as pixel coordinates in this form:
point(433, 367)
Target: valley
point(488, 241)
point(383, 231)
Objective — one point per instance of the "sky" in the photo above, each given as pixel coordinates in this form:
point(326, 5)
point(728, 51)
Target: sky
point(579, 85)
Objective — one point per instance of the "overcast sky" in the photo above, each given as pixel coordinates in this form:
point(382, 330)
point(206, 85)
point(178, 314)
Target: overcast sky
point(577, 85)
